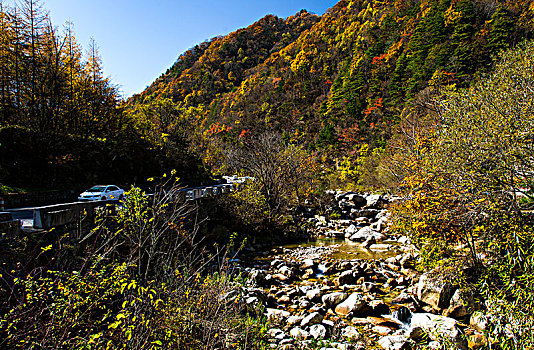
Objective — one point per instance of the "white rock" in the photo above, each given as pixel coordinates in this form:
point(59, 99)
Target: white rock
point(318, 331)
point(351, 230)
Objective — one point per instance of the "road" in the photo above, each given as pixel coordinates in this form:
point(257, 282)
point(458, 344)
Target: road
point(23, 214)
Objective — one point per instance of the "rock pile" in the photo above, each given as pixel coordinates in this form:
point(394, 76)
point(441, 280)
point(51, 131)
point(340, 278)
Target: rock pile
point(357, 303)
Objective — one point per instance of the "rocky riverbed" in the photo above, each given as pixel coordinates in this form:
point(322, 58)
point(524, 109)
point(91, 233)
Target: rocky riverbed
point(355, 287)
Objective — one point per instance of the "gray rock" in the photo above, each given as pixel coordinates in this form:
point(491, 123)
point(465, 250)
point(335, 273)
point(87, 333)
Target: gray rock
point(287, 271)
point(439, 328)
point(460, 305)
point(277, 316)
point(276, 333)
point(294, 320)
point(328, 323)
point(333, 299)
point(351, 230)
point(308, 264)
point(311, 319)
point(344, 346)
point(304, 304)
point(347, 277)
point(314, 294)
point(358, 201)
point(366, 232)
point(273, 332)
point(374, 201)
point(368, 242)
point(287, 347)
point(353, 304)
point(350, 333)
point(394, 342)
point(433, 290)
point(299, 333)
point(318, 331)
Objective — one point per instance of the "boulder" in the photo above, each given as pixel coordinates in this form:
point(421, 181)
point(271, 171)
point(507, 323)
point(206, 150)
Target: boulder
point(358, 201)
point(439, 328)
point(299, 333)
point(366, 232)
point(352, 305)
point(277, 316)
point(294, 320)
point(365, 213)
point(394, 342)
point(368, 242)
point(318, 331)
point(350, 333)
point(276, 333)
point(308, 264)
point(382, 330)
point(286, 347)
point(284, 299)
point(333, 299)
point(287, 271)
point(311, 319)
point(352, 229)
point(378, 308)
point(374, 201)
point(314, 294)
point(347, 277)
point(461, 304)
point(434, 290)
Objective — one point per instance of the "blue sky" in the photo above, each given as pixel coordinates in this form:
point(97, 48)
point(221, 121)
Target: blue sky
point(139, 40)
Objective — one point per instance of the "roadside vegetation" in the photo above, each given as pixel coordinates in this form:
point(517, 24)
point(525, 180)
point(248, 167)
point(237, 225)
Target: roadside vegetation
point(468, 190)
point(140, 279)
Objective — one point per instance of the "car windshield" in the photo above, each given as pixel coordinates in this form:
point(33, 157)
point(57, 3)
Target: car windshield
point(96, 189)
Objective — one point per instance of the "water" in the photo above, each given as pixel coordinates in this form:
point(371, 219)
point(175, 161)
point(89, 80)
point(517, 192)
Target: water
point(344, 249)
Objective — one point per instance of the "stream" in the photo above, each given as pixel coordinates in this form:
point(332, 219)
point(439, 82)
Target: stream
point(353, 287)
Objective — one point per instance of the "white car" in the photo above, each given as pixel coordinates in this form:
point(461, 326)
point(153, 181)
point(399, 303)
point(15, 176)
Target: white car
point(102, 193)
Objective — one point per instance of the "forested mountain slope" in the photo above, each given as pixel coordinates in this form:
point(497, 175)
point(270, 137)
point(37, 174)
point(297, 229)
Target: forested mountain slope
point(334, 82)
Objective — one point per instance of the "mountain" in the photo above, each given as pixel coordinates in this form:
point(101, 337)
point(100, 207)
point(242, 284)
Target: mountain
point(334, 82)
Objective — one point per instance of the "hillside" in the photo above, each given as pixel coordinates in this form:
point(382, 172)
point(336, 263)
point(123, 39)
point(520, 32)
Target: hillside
point(334, 82)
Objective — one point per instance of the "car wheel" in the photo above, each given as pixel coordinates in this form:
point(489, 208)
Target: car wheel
point(121, 197)
point(103, 198)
